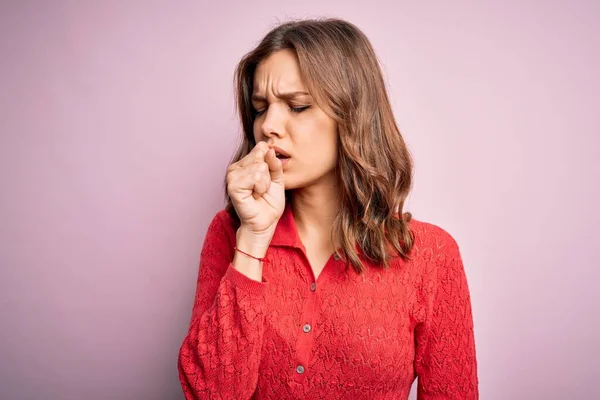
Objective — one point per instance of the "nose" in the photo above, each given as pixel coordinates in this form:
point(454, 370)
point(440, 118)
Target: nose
point(273, 123)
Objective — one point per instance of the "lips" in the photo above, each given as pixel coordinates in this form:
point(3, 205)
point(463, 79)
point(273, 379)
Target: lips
point(280, 153)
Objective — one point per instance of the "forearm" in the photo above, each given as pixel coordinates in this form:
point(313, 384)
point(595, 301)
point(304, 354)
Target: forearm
point(221, 353)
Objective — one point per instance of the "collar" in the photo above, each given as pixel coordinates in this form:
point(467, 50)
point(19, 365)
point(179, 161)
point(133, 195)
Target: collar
point(286, 231)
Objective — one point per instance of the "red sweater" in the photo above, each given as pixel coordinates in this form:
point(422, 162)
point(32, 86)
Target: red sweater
point(345, 336)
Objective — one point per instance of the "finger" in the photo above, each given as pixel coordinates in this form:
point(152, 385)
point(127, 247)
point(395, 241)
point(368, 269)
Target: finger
point(242, 185)
point(263, 182)
point(246, 177)
point(257, 154)
point(275, 166)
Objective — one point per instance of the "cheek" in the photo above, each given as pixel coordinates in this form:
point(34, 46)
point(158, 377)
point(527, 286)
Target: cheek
point(322, 147)
point(256, 132)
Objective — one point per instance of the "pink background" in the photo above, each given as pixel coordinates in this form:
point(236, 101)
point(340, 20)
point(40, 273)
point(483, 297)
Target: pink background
point(117, 122)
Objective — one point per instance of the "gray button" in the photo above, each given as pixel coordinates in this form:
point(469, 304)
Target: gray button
point(300, 369)
point(306, 328)
point(313, 287)
point(336, 257)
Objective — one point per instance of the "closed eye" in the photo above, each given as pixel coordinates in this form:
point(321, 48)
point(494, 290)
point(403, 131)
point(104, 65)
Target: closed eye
point(299, 109)
point(296, 110)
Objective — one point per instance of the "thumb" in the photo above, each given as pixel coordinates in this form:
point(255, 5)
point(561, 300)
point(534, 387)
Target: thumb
point(275, 167)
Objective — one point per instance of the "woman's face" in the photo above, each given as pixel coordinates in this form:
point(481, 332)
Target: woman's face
point(288, 117)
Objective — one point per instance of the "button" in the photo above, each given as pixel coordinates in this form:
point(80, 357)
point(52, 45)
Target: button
point(306, 328)
point(336, 257)
point(313, 287)
point(300, 369)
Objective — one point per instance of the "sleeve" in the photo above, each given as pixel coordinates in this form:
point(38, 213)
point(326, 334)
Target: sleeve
point(445, 360)
point(220, 355)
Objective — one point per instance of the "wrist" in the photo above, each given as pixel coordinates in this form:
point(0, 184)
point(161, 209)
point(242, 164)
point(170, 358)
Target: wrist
point(252, 243)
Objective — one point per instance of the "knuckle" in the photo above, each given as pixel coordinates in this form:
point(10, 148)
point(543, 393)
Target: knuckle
point(233, 177)
point(254, 167)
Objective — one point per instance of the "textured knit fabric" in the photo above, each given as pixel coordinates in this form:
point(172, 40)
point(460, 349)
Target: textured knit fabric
point(345, 336)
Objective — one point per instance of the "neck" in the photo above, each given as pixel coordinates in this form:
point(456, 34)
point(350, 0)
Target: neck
point(315, 209)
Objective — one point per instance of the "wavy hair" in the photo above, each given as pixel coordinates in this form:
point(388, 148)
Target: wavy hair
point(341, 70)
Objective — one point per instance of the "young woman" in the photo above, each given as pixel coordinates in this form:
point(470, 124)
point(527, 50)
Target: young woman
point(313, 282)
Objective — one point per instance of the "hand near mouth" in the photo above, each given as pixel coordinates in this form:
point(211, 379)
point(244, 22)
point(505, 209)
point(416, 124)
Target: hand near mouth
point(256, 187)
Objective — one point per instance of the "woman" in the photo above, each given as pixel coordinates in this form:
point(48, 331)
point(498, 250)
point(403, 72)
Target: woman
point(313, 283)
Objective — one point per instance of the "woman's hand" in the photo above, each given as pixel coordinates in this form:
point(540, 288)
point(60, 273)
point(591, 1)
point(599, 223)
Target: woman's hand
point(256, 187)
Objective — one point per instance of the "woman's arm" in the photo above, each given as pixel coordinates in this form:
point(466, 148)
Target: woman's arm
point(220, 355)
point(445, 356)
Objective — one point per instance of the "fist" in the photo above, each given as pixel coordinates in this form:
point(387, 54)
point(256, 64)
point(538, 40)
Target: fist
point(256, 187)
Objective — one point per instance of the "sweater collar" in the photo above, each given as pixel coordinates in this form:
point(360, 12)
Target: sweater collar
point(286, 231)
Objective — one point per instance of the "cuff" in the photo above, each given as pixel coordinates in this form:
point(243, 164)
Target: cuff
point(243, 282)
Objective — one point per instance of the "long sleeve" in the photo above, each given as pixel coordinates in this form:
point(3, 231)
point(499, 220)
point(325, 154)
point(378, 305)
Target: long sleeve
point(220, 355)
point(445, 361)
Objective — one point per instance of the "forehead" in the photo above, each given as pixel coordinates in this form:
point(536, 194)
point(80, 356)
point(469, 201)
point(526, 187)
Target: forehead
point(279, 72)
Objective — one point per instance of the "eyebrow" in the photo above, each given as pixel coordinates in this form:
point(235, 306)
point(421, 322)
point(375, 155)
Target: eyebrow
point(285, 96)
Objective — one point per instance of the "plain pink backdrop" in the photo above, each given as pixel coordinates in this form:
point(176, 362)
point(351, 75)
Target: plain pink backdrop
point(117, 124)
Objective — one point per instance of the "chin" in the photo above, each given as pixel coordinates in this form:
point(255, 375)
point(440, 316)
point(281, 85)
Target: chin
point(291, 183)
point(290, 186)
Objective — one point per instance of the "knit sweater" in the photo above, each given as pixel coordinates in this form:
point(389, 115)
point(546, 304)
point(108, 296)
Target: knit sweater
point(341, 336)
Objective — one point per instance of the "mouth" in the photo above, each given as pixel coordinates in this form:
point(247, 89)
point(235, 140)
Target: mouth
point(281, 154)
point(284, 159)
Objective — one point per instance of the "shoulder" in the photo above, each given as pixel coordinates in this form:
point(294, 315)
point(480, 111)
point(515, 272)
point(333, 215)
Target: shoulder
point(436, 259)
point(223, 217)
point(222, 225)
point(432, 239)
